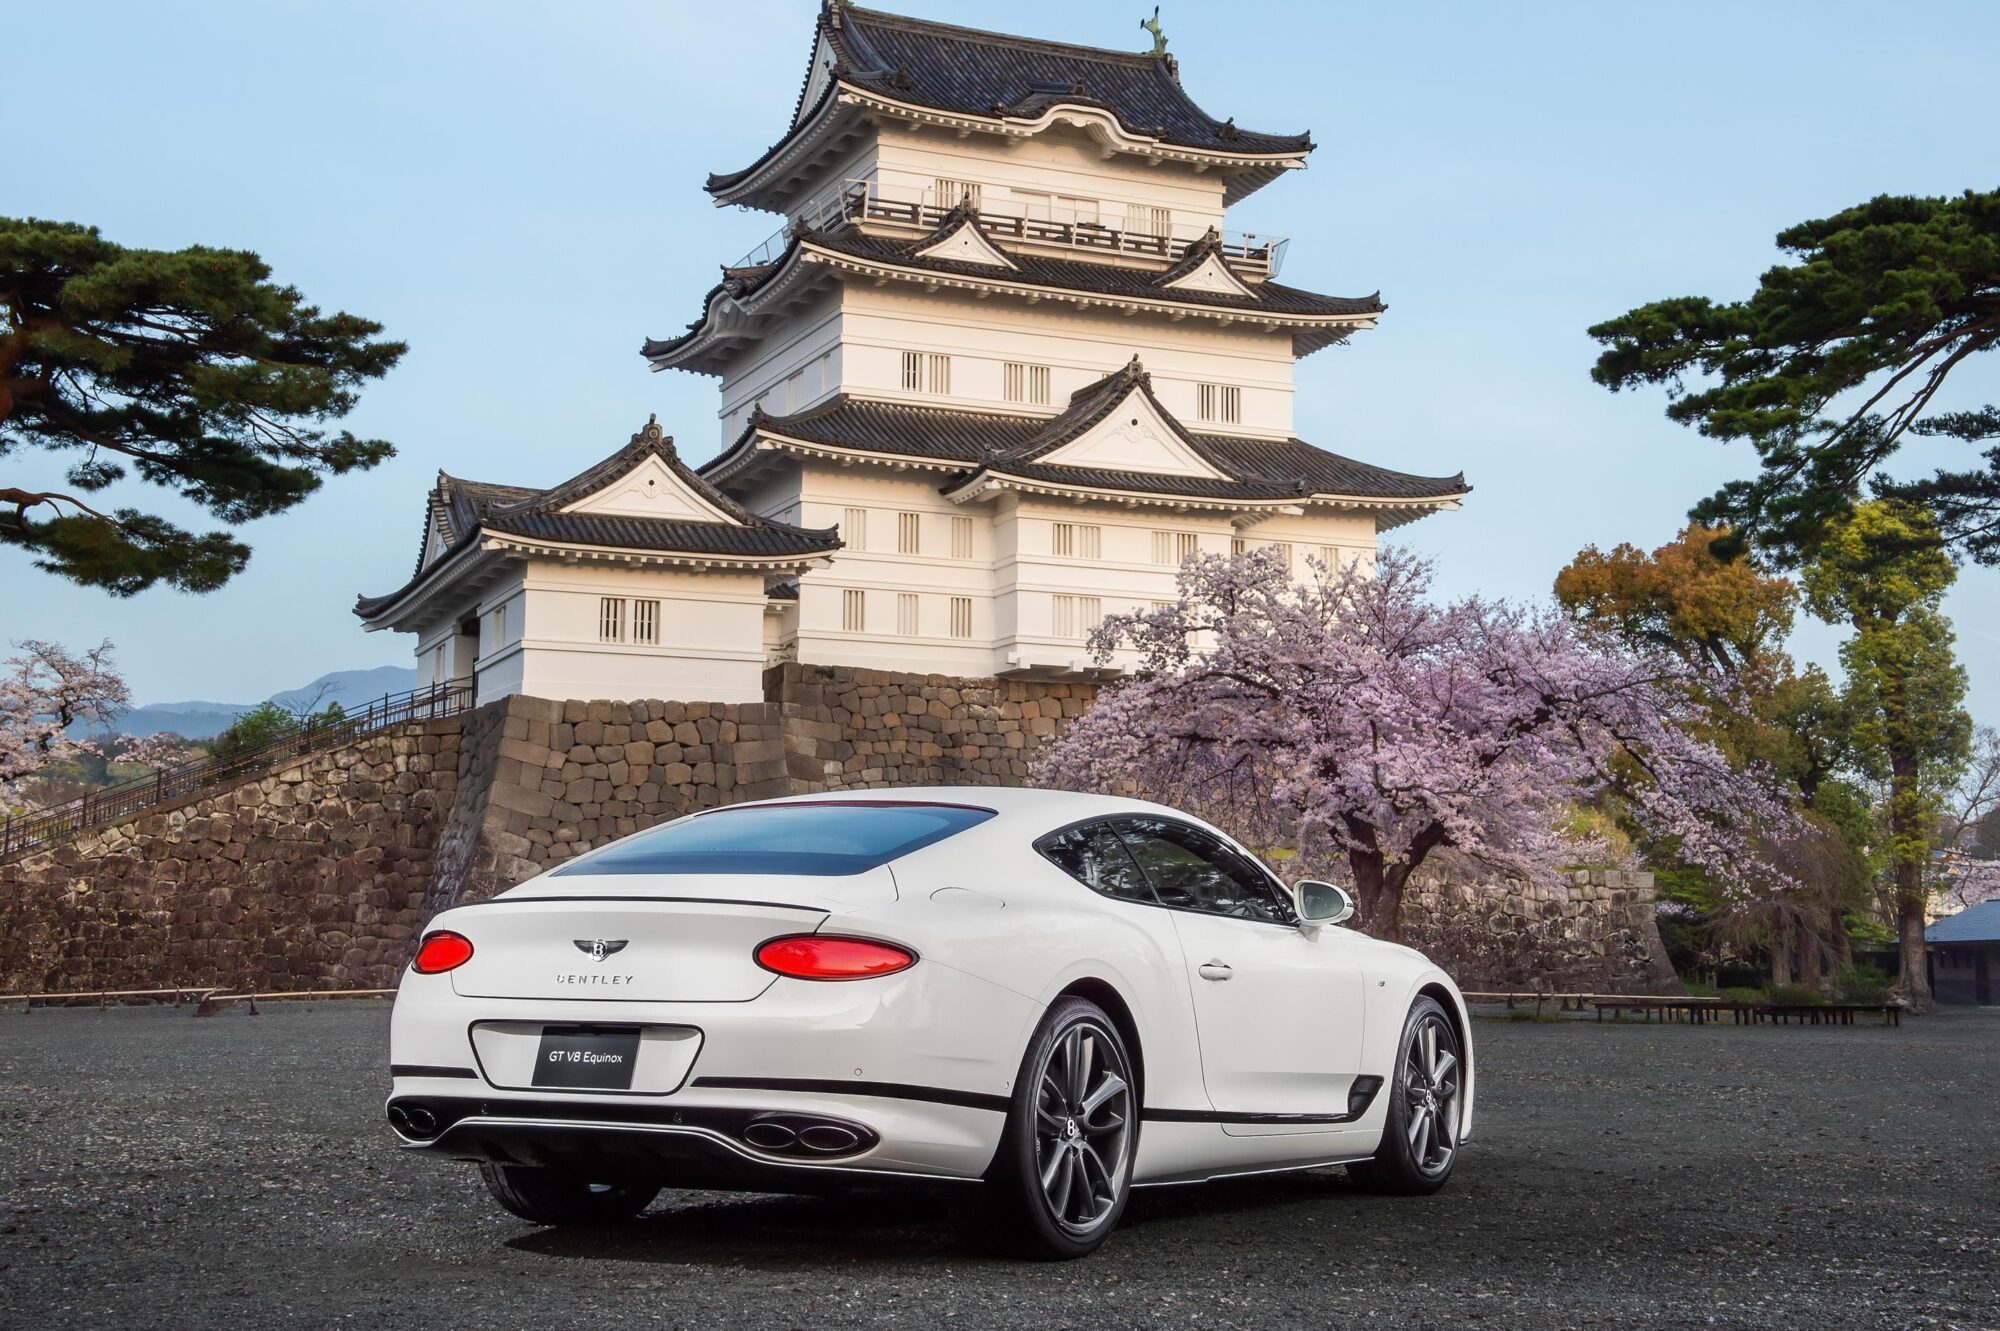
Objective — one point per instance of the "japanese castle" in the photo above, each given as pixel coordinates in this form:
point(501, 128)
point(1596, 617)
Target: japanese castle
point(1002, 369)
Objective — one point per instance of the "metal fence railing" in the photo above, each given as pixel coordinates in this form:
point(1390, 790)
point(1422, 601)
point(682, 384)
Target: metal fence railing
point(128, 799)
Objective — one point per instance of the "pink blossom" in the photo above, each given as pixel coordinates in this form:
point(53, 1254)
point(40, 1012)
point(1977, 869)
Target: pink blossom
point(1351, 717)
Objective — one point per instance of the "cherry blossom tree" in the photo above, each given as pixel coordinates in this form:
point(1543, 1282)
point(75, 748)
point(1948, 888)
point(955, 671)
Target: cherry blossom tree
point(1352, 718)
point(1965, 871)
point(46, 688)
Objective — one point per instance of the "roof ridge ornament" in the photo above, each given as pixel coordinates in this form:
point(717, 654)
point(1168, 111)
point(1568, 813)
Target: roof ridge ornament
point(1152, 25)
point(650, 435)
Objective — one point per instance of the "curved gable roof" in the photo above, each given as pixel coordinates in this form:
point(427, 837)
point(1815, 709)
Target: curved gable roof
point(465, 510)
point(996, 76)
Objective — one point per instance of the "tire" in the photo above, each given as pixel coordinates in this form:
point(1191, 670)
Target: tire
point(547, 1196)
point(1420, 1135)
point(1060, 1180)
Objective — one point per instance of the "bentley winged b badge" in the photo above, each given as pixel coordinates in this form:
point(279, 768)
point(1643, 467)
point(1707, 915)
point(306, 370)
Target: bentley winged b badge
point(600, 948)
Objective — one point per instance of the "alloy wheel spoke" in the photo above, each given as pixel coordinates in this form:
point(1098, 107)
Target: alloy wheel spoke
point(1112, 1085)
point(1065, 1180)
point(1442, 1069)
point(1417, 1126)
point(1422, 1148)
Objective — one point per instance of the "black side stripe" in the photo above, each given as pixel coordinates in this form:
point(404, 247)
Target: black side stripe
point(429, 1070)
point(1211, 1116)
point(888, 1090)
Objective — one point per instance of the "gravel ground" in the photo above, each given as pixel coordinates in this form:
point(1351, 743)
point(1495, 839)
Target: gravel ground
point(160, 1171)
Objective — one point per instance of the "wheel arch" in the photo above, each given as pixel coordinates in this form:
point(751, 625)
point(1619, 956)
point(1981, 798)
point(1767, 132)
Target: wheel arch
point(1446, 996)
point(1106, 996)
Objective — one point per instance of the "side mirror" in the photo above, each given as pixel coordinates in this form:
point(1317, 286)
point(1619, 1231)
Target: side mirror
point(1322, 903)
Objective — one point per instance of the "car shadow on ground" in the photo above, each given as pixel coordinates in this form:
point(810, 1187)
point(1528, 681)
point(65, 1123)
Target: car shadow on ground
point(884, 1229)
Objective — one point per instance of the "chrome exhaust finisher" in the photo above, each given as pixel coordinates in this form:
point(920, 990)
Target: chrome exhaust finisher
point(779, 1134)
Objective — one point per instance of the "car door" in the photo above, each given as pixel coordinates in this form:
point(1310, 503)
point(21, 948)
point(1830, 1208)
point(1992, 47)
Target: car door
point(1277, 1009)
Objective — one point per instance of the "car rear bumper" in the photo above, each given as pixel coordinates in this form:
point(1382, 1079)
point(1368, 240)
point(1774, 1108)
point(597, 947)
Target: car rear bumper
point(918, 1066)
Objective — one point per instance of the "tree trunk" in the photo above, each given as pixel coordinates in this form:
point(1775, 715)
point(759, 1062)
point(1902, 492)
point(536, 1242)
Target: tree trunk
point(1381, 904)
point(1781, 946)
point(1906, 830)
point(1812, 969)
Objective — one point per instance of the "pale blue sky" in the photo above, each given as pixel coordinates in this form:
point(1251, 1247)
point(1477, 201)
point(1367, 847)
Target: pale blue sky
point(515, 190)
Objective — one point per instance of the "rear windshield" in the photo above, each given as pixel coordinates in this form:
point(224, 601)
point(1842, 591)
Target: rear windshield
point(816, 840)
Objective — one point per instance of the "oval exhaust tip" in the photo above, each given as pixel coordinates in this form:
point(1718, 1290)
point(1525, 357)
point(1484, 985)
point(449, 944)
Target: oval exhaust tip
point(423, 1123)
point(769, 1136)
point(829, 1138)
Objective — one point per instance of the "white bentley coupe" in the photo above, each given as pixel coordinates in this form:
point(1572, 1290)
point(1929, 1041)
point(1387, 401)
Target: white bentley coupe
point(1053, 997)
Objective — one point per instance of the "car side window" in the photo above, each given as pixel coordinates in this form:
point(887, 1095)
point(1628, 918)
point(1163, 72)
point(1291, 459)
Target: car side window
point(1094, 856)
point(1193, 870)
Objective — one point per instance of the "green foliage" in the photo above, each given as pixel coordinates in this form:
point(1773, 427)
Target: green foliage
point(1862, 983)
point(1867, 930)
point(267, 723)
point(187, 368)
point(1794, 995)
point(1829, 364)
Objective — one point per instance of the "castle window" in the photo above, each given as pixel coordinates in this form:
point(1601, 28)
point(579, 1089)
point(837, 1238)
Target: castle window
point(1145, 220)
point(949, 193)
point(1076, 540)
point(1026, 383)
point(1237, 545)
point(1222, 403)
point(854, 611)
point(1077, 616)
point(961, 616)
point(854, 528)
point(961, 538)
point(1175, 547)
point(906, 614)
point(496, 628)
point(795, 390)
point(1284, 549)
point(909, 532)
point(646, 621)
point(926, 372)
point(611, 619)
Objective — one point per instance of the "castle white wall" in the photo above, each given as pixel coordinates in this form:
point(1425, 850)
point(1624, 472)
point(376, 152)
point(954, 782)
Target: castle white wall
point(879, 324)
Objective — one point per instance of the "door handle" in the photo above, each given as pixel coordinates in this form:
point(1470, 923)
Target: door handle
point(1214, 970)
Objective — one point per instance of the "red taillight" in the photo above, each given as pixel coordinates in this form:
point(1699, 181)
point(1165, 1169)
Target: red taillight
point(819, 957)
point(442, 950)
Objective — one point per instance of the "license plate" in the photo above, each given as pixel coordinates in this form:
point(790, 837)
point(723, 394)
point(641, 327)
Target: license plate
point(587, 1058)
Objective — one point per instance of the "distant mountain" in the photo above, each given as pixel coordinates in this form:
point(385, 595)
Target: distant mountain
point(204, 720)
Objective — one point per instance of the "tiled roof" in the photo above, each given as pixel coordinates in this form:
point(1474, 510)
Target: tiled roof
point(993, 75)
point(975, 443)
point(1974, 924)
point(1105, 279)
point(1273, 301)
point(466, 509)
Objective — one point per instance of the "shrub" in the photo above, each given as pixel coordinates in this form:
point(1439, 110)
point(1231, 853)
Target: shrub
point(1862, 983)
point(1794, 995)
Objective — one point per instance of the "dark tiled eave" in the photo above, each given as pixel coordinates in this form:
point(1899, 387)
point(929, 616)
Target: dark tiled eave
point(1323, 318)
point(971, 444)
point(470, 510)
point(996, 77)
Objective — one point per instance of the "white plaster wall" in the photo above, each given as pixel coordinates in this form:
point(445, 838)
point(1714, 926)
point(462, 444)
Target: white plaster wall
point(808, 347)
point(878, 324)
point(711, 635)
point(909, 160)
point(875, 567)
point(1013, 577)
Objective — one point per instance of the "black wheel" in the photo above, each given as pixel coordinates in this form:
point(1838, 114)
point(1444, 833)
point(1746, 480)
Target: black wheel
point(1420, 1137)
point(1059, 1181)
point(550, 1196)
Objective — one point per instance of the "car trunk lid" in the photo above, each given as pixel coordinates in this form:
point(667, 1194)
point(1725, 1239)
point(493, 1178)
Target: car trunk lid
point(650, 939)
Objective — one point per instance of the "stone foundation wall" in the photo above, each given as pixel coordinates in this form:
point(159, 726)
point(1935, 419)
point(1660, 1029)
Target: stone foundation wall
point(848, 728)
point(319, 875)
point(1593, 930)
point(311, 877)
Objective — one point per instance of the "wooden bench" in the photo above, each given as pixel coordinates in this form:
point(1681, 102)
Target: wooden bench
point(1696, 1011)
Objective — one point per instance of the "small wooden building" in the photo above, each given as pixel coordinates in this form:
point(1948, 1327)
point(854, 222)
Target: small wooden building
point(1965, 955)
